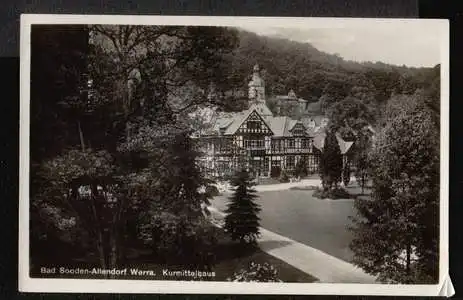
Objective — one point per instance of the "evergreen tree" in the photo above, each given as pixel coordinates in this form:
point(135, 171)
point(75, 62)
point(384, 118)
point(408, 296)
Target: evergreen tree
point(330, 162)
point(242, 220)
point(396, 233)
point(301, 168)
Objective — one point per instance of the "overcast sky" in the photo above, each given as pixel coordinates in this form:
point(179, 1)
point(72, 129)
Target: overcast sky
point(408, 44)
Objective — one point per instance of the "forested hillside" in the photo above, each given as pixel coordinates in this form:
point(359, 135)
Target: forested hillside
point(315, 75)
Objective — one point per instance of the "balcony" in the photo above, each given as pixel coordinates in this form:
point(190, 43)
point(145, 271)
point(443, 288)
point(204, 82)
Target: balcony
point(292, 150)
point(255, 147)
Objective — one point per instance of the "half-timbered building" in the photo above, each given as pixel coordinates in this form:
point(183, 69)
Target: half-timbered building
point(259, 141)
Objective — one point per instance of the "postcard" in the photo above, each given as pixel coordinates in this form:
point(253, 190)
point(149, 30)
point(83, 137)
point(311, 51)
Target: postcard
point(234, 155)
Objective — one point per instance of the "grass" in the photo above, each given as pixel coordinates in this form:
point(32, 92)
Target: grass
point(296, 214)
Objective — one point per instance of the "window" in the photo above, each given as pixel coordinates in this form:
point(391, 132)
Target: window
point(290, 161)
point(253, 125)
point(253, 144)
point(291, 143)
point(307, 143)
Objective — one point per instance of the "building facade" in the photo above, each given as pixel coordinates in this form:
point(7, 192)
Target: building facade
point(259, 141)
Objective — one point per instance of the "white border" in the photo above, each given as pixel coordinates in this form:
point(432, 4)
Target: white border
point(28, 284)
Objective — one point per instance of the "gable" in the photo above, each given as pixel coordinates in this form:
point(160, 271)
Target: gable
point(254, 123)
point(298, 129)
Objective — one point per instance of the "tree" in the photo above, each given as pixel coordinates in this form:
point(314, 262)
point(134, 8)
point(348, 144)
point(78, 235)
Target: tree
point(242, 220)
point(301, 168)
point(361, 160)
point(396, 233)
point(330, 162)
point(115, 123)
point(350, 117)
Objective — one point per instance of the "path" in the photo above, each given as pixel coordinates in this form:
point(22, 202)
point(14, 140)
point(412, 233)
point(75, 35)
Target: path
point(275, 187)
point(327, 268)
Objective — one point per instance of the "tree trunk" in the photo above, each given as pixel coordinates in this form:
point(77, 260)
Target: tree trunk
point(113, 251)
point(409, 250)
point(81, 136)
point(100, 248)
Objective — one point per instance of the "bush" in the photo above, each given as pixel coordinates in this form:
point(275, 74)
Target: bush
point(180, 240)
point(257, 273)
point(275, 172)
point(284, 177)
point(335, 193)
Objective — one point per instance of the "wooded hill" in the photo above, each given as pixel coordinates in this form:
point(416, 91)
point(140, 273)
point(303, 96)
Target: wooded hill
point(315, 75)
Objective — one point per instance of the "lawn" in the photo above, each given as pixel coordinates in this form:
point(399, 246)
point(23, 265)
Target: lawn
point(296, 214)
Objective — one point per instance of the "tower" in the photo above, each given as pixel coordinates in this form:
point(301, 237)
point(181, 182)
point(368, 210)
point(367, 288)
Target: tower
point(257, 86)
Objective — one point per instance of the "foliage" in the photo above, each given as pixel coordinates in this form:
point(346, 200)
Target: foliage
point(396, 233)
point(330, 162)
point(257, 273)
point(334, 193)
point(82, 185)
point(122, 100)
point(350, 117)
point(301, 168)
point(346, 174)
point(284, 176)
point(242, 220)
point(315, 75)
point(361, 160)
point(177, 239)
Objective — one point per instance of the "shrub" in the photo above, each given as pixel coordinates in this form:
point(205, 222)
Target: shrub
point(257, 273)
point(275, 172)
point(335, 193)
point(284, 177)
point(180, 240)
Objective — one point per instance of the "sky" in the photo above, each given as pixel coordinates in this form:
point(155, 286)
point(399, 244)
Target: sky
point(411, 44)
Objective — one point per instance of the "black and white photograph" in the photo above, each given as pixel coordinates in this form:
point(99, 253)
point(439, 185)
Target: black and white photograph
point(243, 155)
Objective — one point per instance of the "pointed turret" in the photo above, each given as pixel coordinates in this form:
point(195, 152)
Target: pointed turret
point(257, 86)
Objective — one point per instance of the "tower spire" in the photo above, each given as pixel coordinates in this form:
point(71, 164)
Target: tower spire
point(257, 86)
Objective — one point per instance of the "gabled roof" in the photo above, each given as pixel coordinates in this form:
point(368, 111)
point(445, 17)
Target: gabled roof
point(291, 124)
point(229, 123)
point(319, 142)
point(277, 125)
point(344, 146)
point(290, 97)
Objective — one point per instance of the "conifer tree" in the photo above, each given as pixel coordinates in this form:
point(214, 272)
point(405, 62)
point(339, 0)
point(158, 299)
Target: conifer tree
point(301, 168)
point(330, 162)
point(242, 220)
